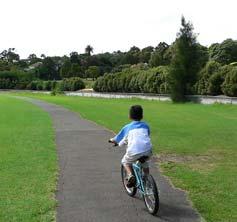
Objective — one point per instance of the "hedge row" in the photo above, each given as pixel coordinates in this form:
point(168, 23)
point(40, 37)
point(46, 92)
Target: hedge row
point(69, 84)
point(42, 85)
point(135, 80)
point(215, 79)
point(16, 80)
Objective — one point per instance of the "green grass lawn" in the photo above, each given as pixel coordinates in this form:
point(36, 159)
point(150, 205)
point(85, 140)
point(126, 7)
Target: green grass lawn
point(197, 145)
point(28, 163)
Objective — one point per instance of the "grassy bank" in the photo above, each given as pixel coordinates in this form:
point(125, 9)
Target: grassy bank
point(27, 162)
point(196, 144)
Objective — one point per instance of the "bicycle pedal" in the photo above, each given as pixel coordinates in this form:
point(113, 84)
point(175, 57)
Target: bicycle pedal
point(131, 182)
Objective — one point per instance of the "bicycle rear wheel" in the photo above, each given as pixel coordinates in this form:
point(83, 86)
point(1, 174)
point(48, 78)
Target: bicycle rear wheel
point(130, 191)
point(151, 196)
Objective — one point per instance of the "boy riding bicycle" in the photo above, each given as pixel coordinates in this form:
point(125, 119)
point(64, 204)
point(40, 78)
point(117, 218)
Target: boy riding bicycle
point(137, 137)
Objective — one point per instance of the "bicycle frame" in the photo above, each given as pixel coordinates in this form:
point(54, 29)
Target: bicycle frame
point(137, 168)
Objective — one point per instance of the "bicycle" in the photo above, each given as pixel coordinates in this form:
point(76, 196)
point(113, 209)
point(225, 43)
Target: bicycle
point(145, 184)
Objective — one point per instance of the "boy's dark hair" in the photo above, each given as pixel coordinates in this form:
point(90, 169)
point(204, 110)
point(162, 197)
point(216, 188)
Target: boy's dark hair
point(136, 112)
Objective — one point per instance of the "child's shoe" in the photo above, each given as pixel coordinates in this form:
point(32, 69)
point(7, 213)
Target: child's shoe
point(131, 181)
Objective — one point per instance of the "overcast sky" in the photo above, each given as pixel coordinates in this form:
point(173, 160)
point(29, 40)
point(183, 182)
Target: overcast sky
point(58, 27)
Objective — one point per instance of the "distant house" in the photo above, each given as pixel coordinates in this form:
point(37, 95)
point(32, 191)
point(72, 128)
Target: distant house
point(34, 66)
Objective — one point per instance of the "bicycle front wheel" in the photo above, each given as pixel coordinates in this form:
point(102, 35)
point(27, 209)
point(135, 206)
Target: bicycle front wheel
point(130, 191)
point(151, 195)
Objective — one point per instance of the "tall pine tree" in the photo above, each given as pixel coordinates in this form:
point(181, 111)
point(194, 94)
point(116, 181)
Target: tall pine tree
point(184, 64)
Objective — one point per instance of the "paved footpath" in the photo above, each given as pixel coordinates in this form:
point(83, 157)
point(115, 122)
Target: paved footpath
point(89, 186)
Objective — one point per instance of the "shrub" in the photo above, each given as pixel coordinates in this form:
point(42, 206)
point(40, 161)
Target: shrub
point(214, 84)
point(39, 85)
point(32, 85)
point(77, 84)
point(229, 86)
point(135, 80)
point(21, 85)
point(72, 84)
point(7, 84)
point(53, 85)
point(203, 84)
point(14, 79)
point(47, 85)
point(35, 85)
point(57, 89)
point(212, 78)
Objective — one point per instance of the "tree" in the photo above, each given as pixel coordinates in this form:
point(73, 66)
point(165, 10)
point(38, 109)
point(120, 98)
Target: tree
point(145, 54)
point(88, 50)
point(4, 66)
point(134, 49)
point(74, 57)
point(22, 64)
point(117, 58)
point(132, 56)
point(48, 70)
point(225, 52)
point(32, 58)
point(201, 56)
point(43, 56)
point(158, 57)
point(65, 69)
point(184, 66)
point(76, 70)
point(93, 72)
point(9, 55)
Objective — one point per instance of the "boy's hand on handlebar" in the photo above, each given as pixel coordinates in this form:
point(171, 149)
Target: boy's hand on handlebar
point(113, 141)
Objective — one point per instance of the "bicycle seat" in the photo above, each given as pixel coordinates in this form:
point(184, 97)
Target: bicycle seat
point(143, 159)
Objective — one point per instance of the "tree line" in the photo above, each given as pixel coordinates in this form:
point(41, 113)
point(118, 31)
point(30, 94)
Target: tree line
point(181, 68)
